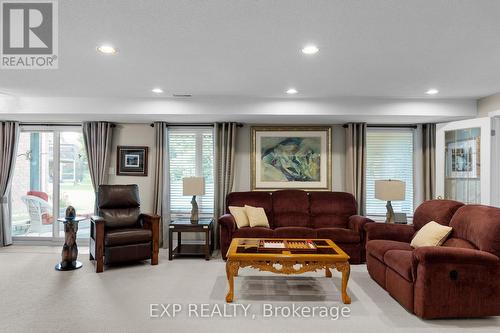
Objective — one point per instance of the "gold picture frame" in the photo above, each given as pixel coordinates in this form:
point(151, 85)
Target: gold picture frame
point(283, 139)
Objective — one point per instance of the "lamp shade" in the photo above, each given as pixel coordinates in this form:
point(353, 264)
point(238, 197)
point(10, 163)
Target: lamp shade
point(193, 186)
point(389, 190)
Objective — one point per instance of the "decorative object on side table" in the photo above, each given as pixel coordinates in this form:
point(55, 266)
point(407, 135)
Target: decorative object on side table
point(390, 190)
point(132, 161)
point(193, 186)
point(204, 225)
point(291, 157)
point(69, 252)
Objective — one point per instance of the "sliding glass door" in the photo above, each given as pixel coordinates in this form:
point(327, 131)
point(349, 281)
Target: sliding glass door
point(51, 173)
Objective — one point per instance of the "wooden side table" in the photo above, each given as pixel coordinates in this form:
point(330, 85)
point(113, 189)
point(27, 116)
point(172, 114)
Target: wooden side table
point(184, 225)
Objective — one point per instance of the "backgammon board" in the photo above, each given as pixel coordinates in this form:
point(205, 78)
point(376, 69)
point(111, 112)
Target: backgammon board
point(271, 245)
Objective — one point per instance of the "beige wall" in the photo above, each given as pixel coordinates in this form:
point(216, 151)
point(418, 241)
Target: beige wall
point(135, 135)
point(143, 135)
point(488, 104)
point(243, 149)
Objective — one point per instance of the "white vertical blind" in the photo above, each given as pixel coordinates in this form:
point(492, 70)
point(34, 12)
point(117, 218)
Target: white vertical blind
point(389, 155)
point(191, 153)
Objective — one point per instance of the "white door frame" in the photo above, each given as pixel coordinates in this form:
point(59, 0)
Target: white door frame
point(485, 124)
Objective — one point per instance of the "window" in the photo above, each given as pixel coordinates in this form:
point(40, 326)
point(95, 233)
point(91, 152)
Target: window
point(191, 153)
point(389, 155)
point(40, 191)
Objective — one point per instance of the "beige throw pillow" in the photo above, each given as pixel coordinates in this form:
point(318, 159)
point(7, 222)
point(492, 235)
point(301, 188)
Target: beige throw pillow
point(431, 234)
point(257, 216)
point(240, 216)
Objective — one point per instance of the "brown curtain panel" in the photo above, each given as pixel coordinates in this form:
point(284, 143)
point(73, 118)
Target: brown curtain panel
point(97, 137)
point(225, 145)
point(429, 160)
point(355, 162)
point(161, 179)
point(9, 138)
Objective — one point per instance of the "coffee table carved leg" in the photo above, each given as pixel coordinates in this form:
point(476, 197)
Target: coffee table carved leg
point(345, 269)
point(232, 268)
point(328, 272)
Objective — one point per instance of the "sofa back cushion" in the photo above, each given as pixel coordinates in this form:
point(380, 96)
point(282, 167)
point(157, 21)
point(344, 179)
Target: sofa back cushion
point(458, 242)
point(251, 198)
point(479, 225)
point(440, 211)
point(290, 208)
point(331, 209)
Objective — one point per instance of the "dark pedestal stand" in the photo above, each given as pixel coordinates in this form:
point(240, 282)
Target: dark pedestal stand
point(70, 249)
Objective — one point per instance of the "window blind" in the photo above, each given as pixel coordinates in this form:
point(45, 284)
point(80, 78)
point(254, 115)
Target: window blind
point(191, 153)
point(389, 155)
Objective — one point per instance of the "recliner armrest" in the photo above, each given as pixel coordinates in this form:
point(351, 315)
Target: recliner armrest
point(148, 220)
point(396, 232)
point(357, 223)
point(227, 222)
point(97, 219)
point(454, 255)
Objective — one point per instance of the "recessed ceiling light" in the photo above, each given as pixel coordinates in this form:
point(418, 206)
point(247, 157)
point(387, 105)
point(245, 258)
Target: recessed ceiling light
point(432, 92)
point(310, 49)
point(157, 90)
point(291, 91)
point(106, 49)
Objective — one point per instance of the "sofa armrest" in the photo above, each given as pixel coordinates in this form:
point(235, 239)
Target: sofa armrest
point(395, 232)
point(227, 222)
point(454, 255)
point(358, 222)
point(227, 226)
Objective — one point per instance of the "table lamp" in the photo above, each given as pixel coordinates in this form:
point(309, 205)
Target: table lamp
point(390, 190)
point(193, 186)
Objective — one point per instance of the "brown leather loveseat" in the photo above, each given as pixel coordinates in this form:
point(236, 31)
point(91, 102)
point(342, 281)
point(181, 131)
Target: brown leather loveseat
point(300, 214)
point(458, 279)
point(121, 233)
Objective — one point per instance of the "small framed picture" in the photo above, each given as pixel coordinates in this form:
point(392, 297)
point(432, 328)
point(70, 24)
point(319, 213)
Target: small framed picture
point(132, 161)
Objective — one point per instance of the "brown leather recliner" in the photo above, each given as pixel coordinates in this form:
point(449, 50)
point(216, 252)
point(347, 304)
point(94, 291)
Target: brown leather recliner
point(121, 233)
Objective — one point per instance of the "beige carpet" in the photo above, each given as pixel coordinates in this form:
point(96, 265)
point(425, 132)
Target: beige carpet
point(36, 298)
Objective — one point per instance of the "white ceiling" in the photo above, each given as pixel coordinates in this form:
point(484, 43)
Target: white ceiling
point(395, 49)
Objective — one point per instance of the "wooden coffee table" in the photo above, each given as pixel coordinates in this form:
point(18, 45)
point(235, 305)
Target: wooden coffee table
point(294, 256)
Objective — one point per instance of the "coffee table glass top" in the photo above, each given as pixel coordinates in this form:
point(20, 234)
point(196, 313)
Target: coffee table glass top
point(285, 247)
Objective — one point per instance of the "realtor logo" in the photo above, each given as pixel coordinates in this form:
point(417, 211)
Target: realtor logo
point(29, 34)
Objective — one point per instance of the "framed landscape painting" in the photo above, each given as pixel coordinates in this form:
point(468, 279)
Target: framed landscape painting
point(291, 157)
point(132, 161)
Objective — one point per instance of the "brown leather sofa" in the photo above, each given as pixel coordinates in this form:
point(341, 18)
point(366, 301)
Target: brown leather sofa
point(458, 279)
point(299, 214)
point(121, 233)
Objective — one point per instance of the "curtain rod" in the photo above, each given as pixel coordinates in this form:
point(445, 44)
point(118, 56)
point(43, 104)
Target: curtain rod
point(192, 125)
point(387, 126)
point(54, 124)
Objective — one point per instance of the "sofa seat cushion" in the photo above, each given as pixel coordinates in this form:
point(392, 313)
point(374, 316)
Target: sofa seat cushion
point(128, 236)
point(294, 232)
point(255, 232)
point(379, 247)
point(400, 261)
point(339, 235)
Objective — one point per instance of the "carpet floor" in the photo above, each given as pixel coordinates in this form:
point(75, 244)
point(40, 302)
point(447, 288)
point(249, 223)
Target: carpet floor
point(141, 298)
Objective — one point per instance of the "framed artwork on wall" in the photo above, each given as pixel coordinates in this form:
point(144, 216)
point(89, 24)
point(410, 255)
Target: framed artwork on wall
point(291, 157)
point(132, 161)
point(463, 159)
